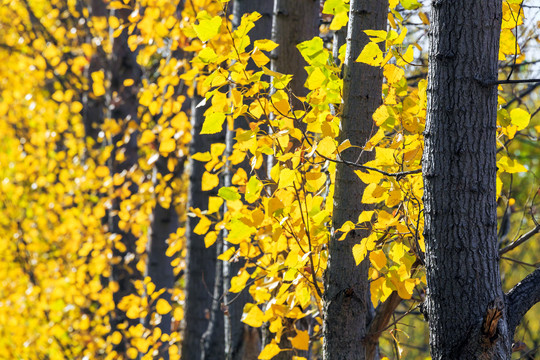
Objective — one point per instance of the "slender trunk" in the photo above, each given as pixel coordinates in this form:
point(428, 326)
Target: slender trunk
point(122, 65)
point(293, 22)
point(200, 261)
point(164, 222)
point(235, 331)
point(346, 299)
point(465, 297)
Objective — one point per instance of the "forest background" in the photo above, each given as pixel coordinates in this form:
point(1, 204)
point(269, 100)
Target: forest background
point(168, 172)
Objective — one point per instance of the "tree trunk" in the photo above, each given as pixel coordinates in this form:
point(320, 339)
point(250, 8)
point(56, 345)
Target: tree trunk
point(123, 108)
point(235, 335)
point(346, 299)
point(294, 21)
point(200, 261)
point(465, 295)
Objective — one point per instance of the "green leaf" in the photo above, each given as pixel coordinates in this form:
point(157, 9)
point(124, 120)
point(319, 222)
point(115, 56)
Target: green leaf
point(229, 193)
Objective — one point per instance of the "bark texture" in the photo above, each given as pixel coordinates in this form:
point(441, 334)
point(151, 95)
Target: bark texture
point(294, 21)
point(200, 261)
point(346, 298)
point(465, 296)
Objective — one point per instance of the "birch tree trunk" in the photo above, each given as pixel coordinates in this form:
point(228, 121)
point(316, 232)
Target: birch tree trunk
point(200, 261)
point(347, 302)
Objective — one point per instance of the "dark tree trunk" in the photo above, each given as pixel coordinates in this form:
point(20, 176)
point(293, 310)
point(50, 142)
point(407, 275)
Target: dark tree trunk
point(347, 302)
point(294, 21)
point(236, 333)
point(200, 261)
point(462, 269)
point(123, 108)
point(164, 222)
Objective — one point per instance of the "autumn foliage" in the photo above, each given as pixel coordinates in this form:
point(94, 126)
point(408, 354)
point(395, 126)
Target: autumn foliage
point(80, 182)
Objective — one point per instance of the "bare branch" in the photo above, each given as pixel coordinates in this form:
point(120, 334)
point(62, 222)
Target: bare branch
point(520, 240)
point(521, 298)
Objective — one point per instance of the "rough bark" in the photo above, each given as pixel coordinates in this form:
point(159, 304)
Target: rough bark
point(465, 298)
point(200, 261)
point(294, 21)
point(346, 297)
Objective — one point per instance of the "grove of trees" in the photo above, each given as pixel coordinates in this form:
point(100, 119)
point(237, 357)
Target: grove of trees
point(269, 179)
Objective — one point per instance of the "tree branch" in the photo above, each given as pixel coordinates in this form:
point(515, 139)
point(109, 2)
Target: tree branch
point(521, 240)
point(521, 298)
point(379, 323)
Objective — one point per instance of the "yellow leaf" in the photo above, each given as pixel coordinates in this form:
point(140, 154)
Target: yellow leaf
point(376, 35)
point(213, 123)
point(238, 283)
point(378, 259)
point(326, 147)
point(167, 145)
point(210, 238)
point(381, 115)
point(286, 178)
point(147, 137)
point(97, 85)
point(360, 250)
point(374, 194)
point(365, 216)
point(207, 27)
point(259, 58)
point(316, 79)
point(406, 58)
point(132, 353)
point(102, 171)
point(345, 229)
point(265, 45)
point(163, 307)
point(520, 118)
point(269, 351)
point(204, 157)
point(209, 181)
point(301, 340)
point(116, 338)
point(510, 166)
point(393, 74)
point(203, 226)
point(254, 316)
point(371, 55)
point(371, 177)
point(207, 55)
point(340, 20)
